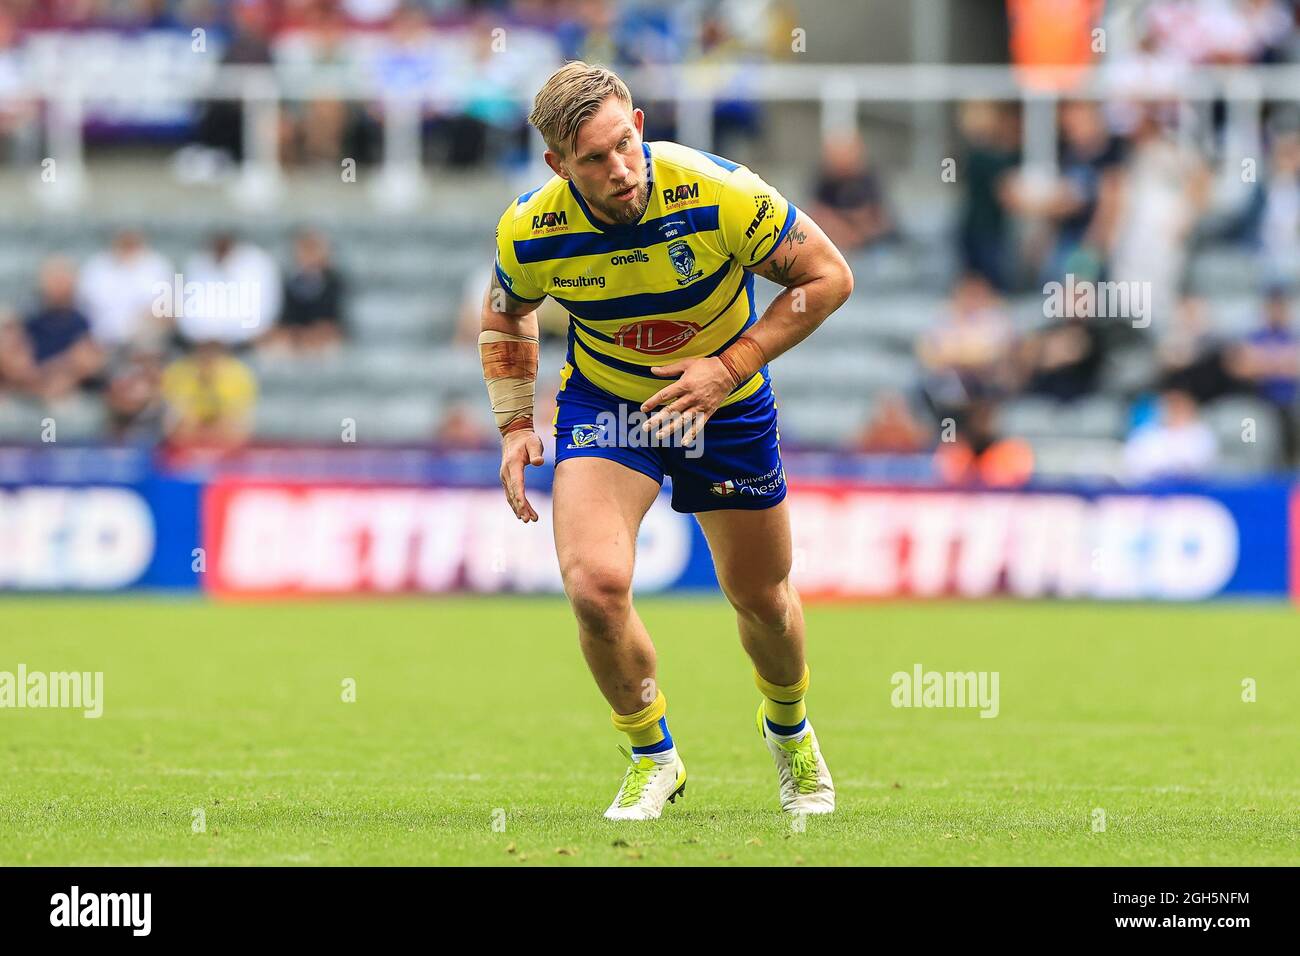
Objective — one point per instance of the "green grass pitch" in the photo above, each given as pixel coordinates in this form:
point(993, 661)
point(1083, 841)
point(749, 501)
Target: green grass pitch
point(471, 713)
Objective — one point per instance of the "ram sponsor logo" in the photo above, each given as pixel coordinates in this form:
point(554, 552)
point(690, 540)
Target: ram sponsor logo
point(281, 540)
point(681, 193)
point(78, 538)
point(548, 220)
point(856, 543)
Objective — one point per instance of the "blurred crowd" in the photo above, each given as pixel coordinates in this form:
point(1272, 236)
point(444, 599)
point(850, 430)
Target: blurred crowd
point(444, 47)
point(164, 349)
point(1136, 190)
point(1128, 204)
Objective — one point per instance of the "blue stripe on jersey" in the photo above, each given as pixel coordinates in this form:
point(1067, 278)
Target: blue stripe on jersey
point(505, 281)
point(639, 236)
point(646, 303)
point(526, 196)
point(641, 371)
point(726, 164)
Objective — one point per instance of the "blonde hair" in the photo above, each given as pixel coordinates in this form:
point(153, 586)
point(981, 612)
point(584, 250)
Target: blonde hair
point(569, 98)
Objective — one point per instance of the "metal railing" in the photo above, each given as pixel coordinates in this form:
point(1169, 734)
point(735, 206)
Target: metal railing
point(838, 91)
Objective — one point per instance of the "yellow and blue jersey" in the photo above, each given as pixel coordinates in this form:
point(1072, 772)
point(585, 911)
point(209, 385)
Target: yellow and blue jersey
point(671, 286)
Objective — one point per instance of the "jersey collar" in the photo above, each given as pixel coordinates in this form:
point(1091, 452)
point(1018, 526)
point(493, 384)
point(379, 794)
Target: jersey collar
point(650, 195)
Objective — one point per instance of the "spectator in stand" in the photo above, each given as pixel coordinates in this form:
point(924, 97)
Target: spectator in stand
point(1274, 213)
point(892, 428)
point(1166, 189)
point(1063, 359)
point(51, 353)
point(209, 398)
point(119, 288)
point(220, 129)
point(239, 294)
point(1178, 445)
point(848, 199)
point(1268, 362)
point(312, 317)
point(133, 398)
point(318, 45)
point(463, 429)
point(979, 455)
point(1081, 205)
point(369, 13)
point(20, 129)
point(966, 356)
point(408, 62)
point(992, 153)
point(1190, 355)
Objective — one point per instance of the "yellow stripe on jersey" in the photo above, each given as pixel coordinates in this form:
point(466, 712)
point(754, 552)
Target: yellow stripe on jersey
point(668, 287)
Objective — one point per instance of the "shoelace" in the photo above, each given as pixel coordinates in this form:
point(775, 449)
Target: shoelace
point(634, 780)
point(803, 766)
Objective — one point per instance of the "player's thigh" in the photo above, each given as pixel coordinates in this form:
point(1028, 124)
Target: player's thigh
point(597, 507)
point(751, 549)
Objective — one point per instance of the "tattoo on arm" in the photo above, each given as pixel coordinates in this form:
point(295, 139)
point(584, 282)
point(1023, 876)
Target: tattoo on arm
point(783, 267)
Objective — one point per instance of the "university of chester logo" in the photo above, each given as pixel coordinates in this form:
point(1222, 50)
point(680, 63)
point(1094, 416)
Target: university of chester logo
point(683, 259)
point(548, 220)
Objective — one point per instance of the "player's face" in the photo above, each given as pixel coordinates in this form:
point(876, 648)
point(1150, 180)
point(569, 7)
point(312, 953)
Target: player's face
point(607, 165)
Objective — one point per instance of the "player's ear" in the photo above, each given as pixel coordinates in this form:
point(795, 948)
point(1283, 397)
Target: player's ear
point(638, 120)
point(557, 167)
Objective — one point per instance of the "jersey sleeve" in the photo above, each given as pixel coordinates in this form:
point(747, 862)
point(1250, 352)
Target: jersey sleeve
point(752, 216)
point(510, 273)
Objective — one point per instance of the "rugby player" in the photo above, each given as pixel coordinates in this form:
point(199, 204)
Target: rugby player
point(652, 248)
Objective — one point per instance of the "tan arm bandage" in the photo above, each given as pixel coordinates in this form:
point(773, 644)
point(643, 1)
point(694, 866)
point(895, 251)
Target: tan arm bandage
point(743, 358)
point(510, 370)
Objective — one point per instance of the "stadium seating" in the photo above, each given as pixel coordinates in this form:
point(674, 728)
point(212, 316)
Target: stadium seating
point(408, 279)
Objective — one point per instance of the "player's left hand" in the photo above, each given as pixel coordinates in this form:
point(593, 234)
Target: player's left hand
point(701, 386)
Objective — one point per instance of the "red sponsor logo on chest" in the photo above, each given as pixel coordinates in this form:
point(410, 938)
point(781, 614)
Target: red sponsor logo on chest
point(656, 337)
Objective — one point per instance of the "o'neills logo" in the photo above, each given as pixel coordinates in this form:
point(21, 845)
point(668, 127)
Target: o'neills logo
point(656, 336)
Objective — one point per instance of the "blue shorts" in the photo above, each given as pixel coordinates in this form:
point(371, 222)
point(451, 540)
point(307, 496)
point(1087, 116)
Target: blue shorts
point(734, 464)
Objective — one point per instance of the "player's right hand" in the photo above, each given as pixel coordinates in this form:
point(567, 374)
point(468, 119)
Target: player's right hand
point(518, 450)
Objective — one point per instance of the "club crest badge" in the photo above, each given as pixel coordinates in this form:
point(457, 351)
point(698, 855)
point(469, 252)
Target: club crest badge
point(683, 259)
point(584, 436)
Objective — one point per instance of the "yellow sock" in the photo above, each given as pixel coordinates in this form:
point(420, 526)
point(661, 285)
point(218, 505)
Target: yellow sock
point(647, 728)
point(783, 706)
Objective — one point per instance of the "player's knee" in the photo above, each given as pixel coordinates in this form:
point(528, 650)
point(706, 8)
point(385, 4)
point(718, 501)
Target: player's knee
point(601, 596)
point(772, 606)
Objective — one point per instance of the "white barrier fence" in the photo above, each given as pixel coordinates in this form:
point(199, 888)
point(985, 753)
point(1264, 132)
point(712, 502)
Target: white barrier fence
point(160, 74)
